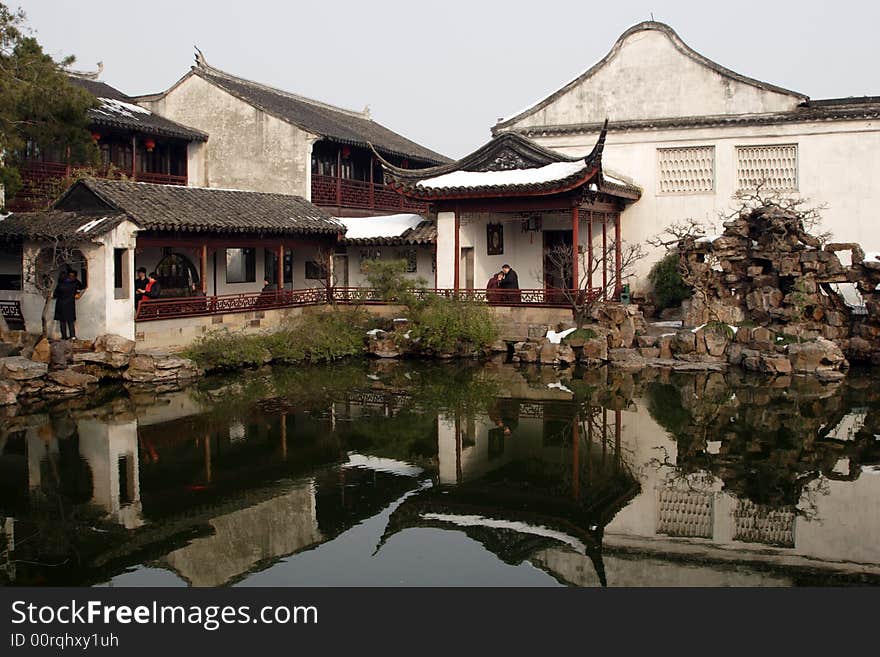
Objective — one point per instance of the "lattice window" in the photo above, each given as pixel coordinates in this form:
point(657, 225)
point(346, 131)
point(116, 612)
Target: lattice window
point(366, 255)
point(686, 170)
point(756, 523)
point(773, 167)
point(412, 259)
point(685, 513)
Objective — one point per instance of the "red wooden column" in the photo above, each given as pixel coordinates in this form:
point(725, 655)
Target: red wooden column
point(372, 192)
point(279, 274)
point(618, 258)
point(575, 240)
point(604, 256)
point(203, 269)
point(133, 157)
point(457, 255)
point(590, 251)
point(339, 177)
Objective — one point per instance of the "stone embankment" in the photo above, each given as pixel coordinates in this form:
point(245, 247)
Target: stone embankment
point(34, 368)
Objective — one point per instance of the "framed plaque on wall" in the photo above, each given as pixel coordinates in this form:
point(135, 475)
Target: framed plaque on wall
point(494, 239)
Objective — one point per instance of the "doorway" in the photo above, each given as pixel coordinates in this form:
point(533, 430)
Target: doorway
point(553, 273)
point(340, 270)
point(467, 268)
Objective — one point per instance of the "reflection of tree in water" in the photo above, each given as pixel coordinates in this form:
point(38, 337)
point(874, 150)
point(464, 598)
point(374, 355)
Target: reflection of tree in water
point(772, 441)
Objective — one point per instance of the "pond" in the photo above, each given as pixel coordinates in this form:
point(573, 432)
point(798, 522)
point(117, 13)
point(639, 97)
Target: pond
point(422, 473)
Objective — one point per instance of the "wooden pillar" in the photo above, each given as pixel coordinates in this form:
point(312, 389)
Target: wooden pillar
point(618, 258)
point(372, 191)
point(339, 177)
point(617, 427)
point(604, 256)
point(284, 436)
point(203, 269)
point(208, 470)
point(575, 255)
point(456, 264)
point(279, 274)
point(590, 251)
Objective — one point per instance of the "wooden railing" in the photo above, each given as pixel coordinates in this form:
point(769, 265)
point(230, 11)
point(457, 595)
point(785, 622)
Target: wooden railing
point(176, 307)
point(342, 192)
point(41, 182)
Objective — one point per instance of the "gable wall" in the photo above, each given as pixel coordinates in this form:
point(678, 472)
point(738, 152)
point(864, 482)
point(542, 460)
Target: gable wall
point(648, 77)
point(246, 148)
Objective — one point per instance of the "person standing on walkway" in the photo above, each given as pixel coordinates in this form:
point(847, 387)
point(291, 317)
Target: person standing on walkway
point(140, 282)
point(510, 284)
point(68, 290)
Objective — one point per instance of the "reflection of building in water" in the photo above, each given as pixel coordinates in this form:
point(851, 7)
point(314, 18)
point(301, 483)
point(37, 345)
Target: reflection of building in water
point(102, 464)
point(526, 478)
point(243, 538)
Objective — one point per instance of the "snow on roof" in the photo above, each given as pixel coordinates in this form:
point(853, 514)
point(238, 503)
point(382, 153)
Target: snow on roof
point(113, 106)
point(85, 228)
point(707, 239)
point(535, 176)
point(390, 225)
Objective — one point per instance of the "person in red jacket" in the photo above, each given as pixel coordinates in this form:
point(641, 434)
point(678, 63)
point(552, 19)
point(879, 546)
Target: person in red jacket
point(493, 294)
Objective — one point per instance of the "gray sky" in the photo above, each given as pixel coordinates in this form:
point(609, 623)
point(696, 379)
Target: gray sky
point(441, 73)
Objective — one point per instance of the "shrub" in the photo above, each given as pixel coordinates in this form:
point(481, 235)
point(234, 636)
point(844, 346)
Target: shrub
point(228, 350)
point(669, 289)
point(452, 325)
point(314, 337)
point(389, 279)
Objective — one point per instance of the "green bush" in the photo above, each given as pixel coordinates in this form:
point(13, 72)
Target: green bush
point(389, 279)
point(314, 337)
point(227, 350)
point(452, 325)
point(669, 289)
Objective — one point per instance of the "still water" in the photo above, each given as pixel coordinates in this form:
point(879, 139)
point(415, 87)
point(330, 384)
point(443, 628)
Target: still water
point(401, 473)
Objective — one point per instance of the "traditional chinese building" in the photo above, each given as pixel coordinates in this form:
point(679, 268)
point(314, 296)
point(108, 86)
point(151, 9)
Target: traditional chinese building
point(133, 142)
point(511, 202)
point(212, 250)
point(270, 140)
point(693, 133)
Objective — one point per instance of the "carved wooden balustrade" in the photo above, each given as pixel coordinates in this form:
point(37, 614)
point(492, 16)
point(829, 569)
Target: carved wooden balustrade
point(343, 192)
point(176, 307)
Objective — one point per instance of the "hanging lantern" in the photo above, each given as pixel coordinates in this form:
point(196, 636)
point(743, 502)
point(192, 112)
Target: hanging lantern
point(404, 164)
point(346, 152)
point(96, 136)
point(150, 144)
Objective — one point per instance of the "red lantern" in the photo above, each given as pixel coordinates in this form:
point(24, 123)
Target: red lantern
point(346, 152)
point(404, 164)
point(96, 136)
point(150, 144)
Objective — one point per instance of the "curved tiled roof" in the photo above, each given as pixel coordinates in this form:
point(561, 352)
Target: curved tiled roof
point(119, 111)
point(508, 165)
point(325, 120)
point(201, 209)
point(53, 224)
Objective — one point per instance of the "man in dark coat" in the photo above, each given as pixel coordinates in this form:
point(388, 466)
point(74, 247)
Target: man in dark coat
point(140, 282)
point(510, 284)
point(66, 293)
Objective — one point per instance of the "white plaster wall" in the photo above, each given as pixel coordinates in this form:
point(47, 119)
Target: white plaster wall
point(837, 167)
point(247, 148)
point(196, 164)
point(649, 77)
point(118, 313)
point(446, 250)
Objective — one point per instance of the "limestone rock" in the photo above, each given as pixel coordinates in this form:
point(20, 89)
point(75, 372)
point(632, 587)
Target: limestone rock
point(160, 368)
point(595, 349)
point(774, 364)
point(8, 392)
point(72, 379)
point(42, 352)
point(547, 353)
point(112, 360)
point(115, 344)
point(21, 369)
point(684, 342)
point(664, 343)
point(811, 357)
point(60, 354)
point(565, 355)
